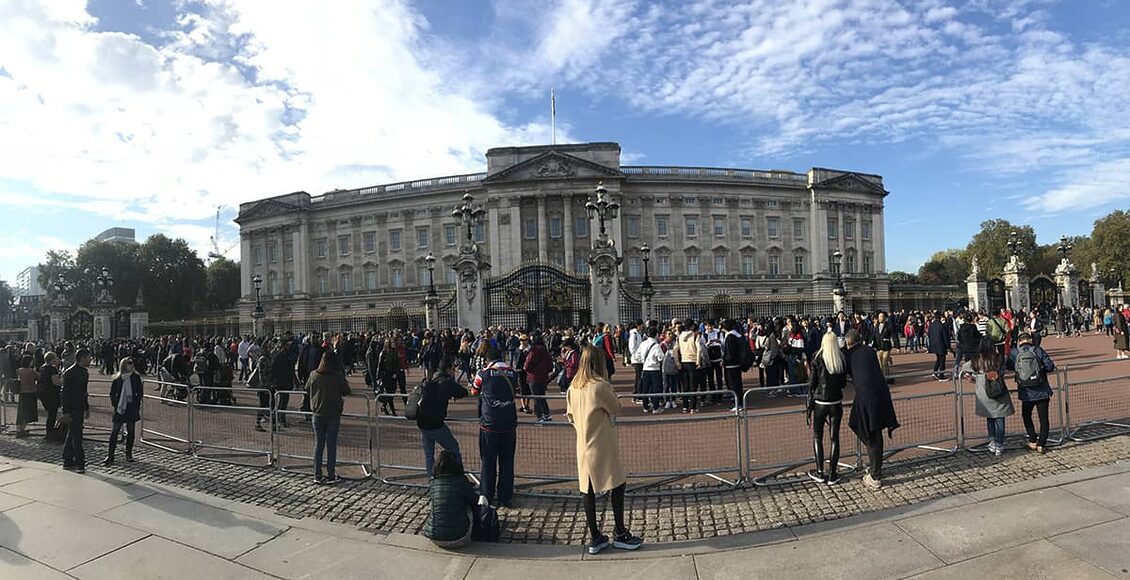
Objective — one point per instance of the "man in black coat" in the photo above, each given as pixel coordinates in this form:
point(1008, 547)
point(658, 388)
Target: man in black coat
point(939, 336)
point(968, 339)
point(76, 409)
point(872, 412)
point(882, 341)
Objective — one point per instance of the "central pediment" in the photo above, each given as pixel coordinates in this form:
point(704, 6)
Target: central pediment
point(553, 165)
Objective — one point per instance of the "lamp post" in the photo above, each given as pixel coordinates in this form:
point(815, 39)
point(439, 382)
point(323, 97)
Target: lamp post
point(469, 215)
point(645, 253)
point(1013, 244)
point(646, 290)
point(431, 262)
point(1064, 248)
point(838, 293)
point(257, 314)
point(600, 207)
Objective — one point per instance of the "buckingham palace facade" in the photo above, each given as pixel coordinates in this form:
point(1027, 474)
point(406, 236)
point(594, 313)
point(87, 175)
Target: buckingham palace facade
point(713, 234)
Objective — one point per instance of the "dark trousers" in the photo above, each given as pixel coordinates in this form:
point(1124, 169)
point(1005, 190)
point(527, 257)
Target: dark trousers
point(688, 383)
point(1040, 438)
point(264, 406)
point(541, 406)
point(497, 453)
point(651, 383)
point(130, 426)
point(875, 455)
point(244, 369)
point(52, 417)
point(733, 376)
point(639, 378)
point(325, 441)
point(73, 455)
point(830, 415)
point(939, 363)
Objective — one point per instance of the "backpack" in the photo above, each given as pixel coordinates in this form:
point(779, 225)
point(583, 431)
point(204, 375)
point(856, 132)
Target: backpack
point(1028, 367)
point(714, 351)
point(996, 330)
point(487, 527)
point(412, 407)
point(670, 367)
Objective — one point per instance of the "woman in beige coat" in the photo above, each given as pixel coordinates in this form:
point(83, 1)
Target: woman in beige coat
point(591, 407)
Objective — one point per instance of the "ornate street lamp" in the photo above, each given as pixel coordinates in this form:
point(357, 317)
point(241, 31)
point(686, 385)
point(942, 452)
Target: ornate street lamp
point(1064, 248)
point(645, 252)
point(602, 208)
point(1013, 244)
point(837, 258)
point(431, 262)
point(469, 215)
point(257, 280)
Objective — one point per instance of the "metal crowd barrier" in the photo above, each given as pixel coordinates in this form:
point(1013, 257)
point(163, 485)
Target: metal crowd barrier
point(101, 420)
point(973, 428)
point(239, 433)
point(294, 446)
point(1090, 416)
point(166, 422)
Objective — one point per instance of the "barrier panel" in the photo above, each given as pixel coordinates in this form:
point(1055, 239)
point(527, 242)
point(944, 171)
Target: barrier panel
point(165, 421)
point(778, 440)
point(237, 433)
point(294, 445)
point(974, 432)
point(101, 420)
point(928, 425)
point(1096, 408)
point(664, 449)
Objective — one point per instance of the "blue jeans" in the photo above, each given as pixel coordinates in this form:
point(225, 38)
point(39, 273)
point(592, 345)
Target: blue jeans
point(996, 429)
point(325, 441)
point(443, 436)
point(497, 453)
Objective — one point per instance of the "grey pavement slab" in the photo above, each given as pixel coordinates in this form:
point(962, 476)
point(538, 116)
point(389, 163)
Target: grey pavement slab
point(10, 476)
point(8, 501)
point(13, 565)
point(698, 547)
point(487, 549)
point(973, 530)
point(379, 562)
point(1112, 492)
point(883, 550)
point(1052, 480)
point(85, 493)
point(871, 518)
point(61, 538)
point(1032, 561)
point(1105, 545)
point(211, 529)
point(300, 553)
point(657, 569)
point(159, 559)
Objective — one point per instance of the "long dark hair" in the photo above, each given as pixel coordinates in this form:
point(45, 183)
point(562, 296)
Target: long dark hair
point(987, 358)
point(328, 364)
point(447, 463)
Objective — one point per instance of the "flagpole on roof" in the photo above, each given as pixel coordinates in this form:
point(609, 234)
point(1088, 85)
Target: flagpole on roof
point(553, 115)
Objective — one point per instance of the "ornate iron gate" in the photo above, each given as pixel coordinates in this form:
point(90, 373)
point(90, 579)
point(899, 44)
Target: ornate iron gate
point(1043, 292)
point(448, 312)
point(119, 324)
point(80, 325)
point(1085, 294)
point(996, 295)
point(537, 296)
point(631, 308)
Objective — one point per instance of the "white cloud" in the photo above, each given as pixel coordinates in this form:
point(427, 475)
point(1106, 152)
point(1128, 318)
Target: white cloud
point(1094, 186)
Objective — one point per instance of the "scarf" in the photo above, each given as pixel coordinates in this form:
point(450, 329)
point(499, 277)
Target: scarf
point(127, 394)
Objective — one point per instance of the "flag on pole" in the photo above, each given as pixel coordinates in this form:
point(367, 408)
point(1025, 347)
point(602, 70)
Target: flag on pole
point(553, 114)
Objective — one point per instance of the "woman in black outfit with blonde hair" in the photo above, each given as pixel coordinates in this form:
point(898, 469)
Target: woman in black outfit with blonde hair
point(826, 406)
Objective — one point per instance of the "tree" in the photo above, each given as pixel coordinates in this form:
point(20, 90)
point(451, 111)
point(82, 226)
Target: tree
point(120, 259)
point(222, 284)
point(1110, 240)
point(7, 299)
point(58, 264)
point(900, 277)
point(990, 246)
point(174, 281)
point(945, 267)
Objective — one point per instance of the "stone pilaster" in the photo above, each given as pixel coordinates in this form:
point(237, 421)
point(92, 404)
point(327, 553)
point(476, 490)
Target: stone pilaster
point(470, 267)
point(138, 324)
point(1016, 281)
point(1067, 280)
point(977, 288)
point(604, 274)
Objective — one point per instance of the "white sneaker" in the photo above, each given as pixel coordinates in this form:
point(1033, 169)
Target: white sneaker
point(871, 482)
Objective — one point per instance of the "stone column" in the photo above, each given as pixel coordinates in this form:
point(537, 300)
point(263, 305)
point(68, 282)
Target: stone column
point(647, 304)
point(101, 324)
point(839, 300)
point(470, 267)
point(431, 312)
point(604, 276)
point(33, 329)
point(301, 258)
point(543, 233)
point(977, 288)
point(495, 234)
point(1067, 279)
point(567, 228)
point(138, 324)
point(1016, 284)
point(245, 264)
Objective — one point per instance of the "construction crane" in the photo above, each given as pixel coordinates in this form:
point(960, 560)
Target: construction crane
point(216, 252)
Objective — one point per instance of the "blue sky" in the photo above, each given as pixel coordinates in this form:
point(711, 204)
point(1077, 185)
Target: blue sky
point(152, 113)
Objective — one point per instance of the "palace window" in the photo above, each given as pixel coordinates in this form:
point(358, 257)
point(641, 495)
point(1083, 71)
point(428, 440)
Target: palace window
point(422, 275)
point(343, 245)
point(290, 282)
point(369, 242)
point(288, 251)
point(394, 240)
point(664, 265)
point(320, 248)
point(581, 228)
point(257, 253)
point(867, 262)
point(720, 264)
point(273, 284)
point(773, 227)
point(798, 264)
point(422, 234)
point(370, 278)
point(691, 226)
point(849, 229)
point(345, 281)
point(480, 232)
point(396, 276)
point(833, 229)
point(865, 230)
point(323, 285)
point(581, 264)
point(774, 264)
point(555, 227)
point(531, 227)
point(747, 264)
point(798, 229)
point(448, 275)
point(747, 227)
point(635, 270)
point(272, 253)
point(632, 225)
point(849, 262)
point(449, 234)
point(661, 226)
point(719, 226)
point(692, 265)
point(771, 204)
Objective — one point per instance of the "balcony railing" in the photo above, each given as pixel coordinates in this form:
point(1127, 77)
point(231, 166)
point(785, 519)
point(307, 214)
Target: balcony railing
point(716, 173)
point(419, 184)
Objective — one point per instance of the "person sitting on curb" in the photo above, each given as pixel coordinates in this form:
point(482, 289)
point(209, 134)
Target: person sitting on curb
point(453, 500)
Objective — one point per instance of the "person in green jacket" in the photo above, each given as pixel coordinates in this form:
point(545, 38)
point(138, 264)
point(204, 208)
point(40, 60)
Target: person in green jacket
point(327, 388)
point(453, 500)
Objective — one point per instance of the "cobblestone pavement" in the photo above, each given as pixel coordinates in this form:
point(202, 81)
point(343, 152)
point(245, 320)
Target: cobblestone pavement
point(378, 507)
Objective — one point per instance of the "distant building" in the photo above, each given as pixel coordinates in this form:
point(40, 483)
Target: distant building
point(127, 235)
point(27, 283)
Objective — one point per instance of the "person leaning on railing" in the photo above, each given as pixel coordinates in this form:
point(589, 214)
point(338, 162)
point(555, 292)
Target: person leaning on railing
point(436, 392)
point(498, 425)
point(826, 406)
point(327, 387)
point(872, 411)
point(1032, 365)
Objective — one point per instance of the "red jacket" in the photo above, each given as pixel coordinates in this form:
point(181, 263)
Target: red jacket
point(538, 364)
